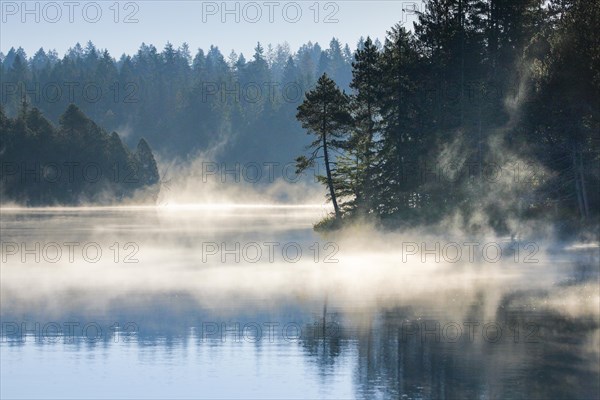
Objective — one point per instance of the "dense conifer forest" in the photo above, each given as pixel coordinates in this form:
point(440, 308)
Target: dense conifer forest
point(73, 164)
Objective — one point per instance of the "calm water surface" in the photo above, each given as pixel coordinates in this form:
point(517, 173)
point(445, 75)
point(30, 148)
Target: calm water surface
point(249, 302)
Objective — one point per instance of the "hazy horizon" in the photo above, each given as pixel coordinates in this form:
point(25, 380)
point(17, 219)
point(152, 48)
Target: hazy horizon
point(181, 21)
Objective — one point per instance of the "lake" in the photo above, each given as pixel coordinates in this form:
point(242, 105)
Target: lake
point(249, 302)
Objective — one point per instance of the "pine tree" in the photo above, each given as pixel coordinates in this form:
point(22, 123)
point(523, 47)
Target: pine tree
point(402, 145)
point(367, 86)
point(324, 113)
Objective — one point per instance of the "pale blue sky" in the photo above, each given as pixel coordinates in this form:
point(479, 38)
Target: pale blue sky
point(199, 23)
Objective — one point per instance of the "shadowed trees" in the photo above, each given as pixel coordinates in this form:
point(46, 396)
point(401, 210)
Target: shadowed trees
point(74, 163)
point(487, 114)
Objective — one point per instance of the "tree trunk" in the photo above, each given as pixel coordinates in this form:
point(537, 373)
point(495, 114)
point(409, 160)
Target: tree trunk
point(330, 180)
point(582, 184)
point(578, 192)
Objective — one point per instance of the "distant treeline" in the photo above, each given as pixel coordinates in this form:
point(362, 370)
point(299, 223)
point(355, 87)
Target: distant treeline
point(76, 163)
point(179, 102)
point(488, 114)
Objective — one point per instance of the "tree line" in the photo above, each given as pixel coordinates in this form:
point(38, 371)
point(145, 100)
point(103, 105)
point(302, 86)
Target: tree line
point(487, 110)
point(75, 163)
point(180, 102)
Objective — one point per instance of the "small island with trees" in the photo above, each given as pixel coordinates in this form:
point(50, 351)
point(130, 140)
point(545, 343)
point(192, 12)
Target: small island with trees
point(484, 117)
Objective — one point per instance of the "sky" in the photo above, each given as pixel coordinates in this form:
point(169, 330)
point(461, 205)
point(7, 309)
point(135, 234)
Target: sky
point(122, 26)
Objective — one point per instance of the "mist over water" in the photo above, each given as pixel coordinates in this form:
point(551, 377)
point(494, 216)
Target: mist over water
point(194, 279)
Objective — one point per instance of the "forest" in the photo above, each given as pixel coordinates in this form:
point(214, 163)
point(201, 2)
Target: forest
point(486, 115)
point(486, 111)
point(75, 164)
